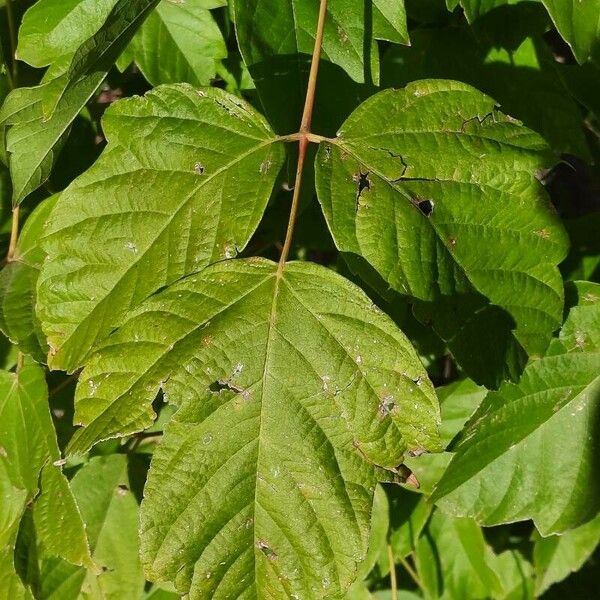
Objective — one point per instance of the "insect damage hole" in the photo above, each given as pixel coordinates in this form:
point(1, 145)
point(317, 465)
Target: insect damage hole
point(425, 206)
point(362, 183)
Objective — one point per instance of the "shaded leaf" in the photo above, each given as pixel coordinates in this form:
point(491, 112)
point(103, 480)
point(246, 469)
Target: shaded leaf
point(530, 449)
point(18, 280)
point(276, 39)
point(423, 182)
point(577, 22)
point(557, 556)
point(524, 80)
point(110, 513)
point(115, 237)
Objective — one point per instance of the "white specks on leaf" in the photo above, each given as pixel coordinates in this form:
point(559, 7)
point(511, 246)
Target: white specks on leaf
point(131, 247)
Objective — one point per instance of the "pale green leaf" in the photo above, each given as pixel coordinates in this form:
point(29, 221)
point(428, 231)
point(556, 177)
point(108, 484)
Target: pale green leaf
point(380, 521)
point(183, 182)
point(557, 556)
point(425, 183)
point(58, 524)
point(53, 29)
point(465, 559)
point(110, 513)
point(529, 451)
point(179, 42)
point(28, 450)
point(290, 390)
point(18, 282)
point(458, 401)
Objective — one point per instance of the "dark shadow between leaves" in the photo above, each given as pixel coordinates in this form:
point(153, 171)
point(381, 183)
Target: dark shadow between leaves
point(281, 83)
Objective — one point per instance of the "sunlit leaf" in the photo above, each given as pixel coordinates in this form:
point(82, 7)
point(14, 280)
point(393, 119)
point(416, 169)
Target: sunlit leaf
point(424, 183)
point(183, 182)
point(295, 396)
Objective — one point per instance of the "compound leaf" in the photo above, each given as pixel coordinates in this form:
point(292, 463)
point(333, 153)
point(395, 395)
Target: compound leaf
point(437, 190)
point(295, 395)
point(530, 449)
point(183, 182)
point(179, 42)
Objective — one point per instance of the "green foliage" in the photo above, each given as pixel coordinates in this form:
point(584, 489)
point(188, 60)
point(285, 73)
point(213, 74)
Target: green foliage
point(300, 299)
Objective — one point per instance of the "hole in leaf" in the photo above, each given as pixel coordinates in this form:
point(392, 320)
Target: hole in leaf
point(425, 206)
point(362, 183)
point(220, 385)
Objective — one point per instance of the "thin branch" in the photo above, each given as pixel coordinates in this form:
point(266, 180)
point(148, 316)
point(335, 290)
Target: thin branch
point(413, 574)
point(304, 135)
point(14, 235)
point(393, 582)
point(12, 34)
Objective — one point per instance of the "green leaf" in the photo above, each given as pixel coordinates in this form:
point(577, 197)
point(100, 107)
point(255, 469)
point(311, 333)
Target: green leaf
point(36, 120)
point(268, 27)
point(116, 236)
point(377, 545)
point(276, 39)
point(28, 451)
point(523, 76)
point(290, 389)
point(423, 183)
point(577, 22)
point(53, 29)
point(33, 143)
point(527, 452)
point(465, 558)
point(409, 515)
point(179, 42)
point(110, 513)
point(557, 556)
point(458, 401)
point(18, 280)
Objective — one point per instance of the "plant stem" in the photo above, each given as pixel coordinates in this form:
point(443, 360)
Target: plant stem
point(411, 572)
point(12, 33)
point(304, 134)
point(14, 235)
point(393, 582)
